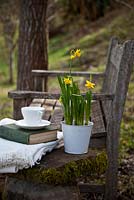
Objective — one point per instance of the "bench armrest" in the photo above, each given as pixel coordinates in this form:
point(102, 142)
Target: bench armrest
point(24, 98)
point(48, 95)
point(42, 73)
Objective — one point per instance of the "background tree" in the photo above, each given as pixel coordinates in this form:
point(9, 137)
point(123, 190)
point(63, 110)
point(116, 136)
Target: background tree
point(89, 9)
point(32, 41)
point(9, 20)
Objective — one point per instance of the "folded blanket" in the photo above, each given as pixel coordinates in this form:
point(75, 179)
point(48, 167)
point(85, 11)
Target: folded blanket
point(15, 156)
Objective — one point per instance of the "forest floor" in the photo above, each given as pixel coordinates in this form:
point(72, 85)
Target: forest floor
point(93, 39)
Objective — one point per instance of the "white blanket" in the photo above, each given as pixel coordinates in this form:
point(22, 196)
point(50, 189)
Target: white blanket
point(15, 156)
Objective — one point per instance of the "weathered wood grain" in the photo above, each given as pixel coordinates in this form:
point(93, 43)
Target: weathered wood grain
point(48, 95)
point(37, 102)
point(119, 67)
point(42, 73)
point(59, 158)
point(17, 189)
point(97, 142)
point(49, 106)
point(86, 187)
point(40, 84)
point(41, 77)
point(58, 114)
point(97, 118)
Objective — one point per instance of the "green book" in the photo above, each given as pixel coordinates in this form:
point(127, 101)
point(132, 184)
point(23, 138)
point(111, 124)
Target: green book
point(25, 136)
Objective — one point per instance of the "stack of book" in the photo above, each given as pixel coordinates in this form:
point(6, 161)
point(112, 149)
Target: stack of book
point(14, 133)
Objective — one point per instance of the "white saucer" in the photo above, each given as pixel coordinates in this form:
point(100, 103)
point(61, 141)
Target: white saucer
point(22, 124)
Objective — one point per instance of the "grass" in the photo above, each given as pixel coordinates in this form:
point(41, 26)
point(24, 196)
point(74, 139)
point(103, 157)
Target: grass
point(127, 126)
point(5, 103)
point(94, 44)
point(127, 137)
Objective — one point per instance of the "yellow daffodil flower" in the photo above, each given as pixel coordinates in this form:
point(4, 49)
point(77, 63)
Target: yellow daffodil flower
point(67, 81)
point(77, 53)
point(89, 84)
point(72, 57)
point(72, 52)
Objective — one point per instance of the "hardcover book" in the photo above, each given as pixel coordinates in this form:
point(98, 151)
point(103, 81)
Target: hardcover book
point(16, 134)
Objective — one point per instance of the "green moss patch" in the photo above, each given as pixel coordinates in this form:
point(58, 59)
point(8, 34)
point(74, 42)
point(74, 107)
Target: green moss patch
point(69, 173)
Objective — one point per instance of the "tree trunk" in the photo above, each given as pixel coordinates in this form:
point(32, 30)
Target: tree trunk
point(11, 66)
point(32, 41)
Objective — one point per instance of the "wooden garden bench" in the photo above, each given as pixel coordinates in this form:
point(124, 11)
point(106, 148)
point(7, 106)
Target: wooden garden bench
point(107, 110)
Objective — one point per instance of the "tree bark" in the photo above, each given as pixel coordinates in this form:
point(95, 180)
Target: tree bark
point(11, 66)
point(32, 41)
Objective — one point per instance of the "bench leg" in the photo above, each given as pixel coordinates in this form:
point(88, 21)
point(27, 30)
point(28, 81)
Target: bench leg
point(111, 180)
point(112, 153)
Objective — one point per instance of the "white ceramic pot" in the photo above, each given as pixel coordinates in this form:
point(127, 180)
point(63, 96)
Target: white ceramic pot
point(76, 138)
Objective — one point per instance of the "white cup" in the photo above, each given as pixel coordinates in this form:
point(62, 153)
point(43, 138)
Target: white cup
point(32, 115)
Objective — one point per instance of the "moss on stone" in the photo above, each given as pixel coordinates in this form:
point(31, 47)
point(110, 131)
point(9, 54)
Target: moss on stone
point(69, 173)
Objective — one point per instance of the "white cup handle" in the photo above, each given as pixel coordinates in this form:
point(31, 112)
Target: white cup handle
point(40, 115)
point(41, 112)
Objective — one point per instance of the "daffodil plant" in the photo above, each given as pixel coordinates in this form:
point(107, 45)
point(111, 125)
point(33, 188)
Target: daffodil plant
point(77, 107)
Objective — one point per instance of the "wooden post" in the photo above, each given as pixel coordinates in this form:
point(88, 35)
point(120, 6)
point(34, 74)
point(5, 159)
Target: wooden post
point(40, 84)
point(112, 154)
point(17, 105)
point(123, 65)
